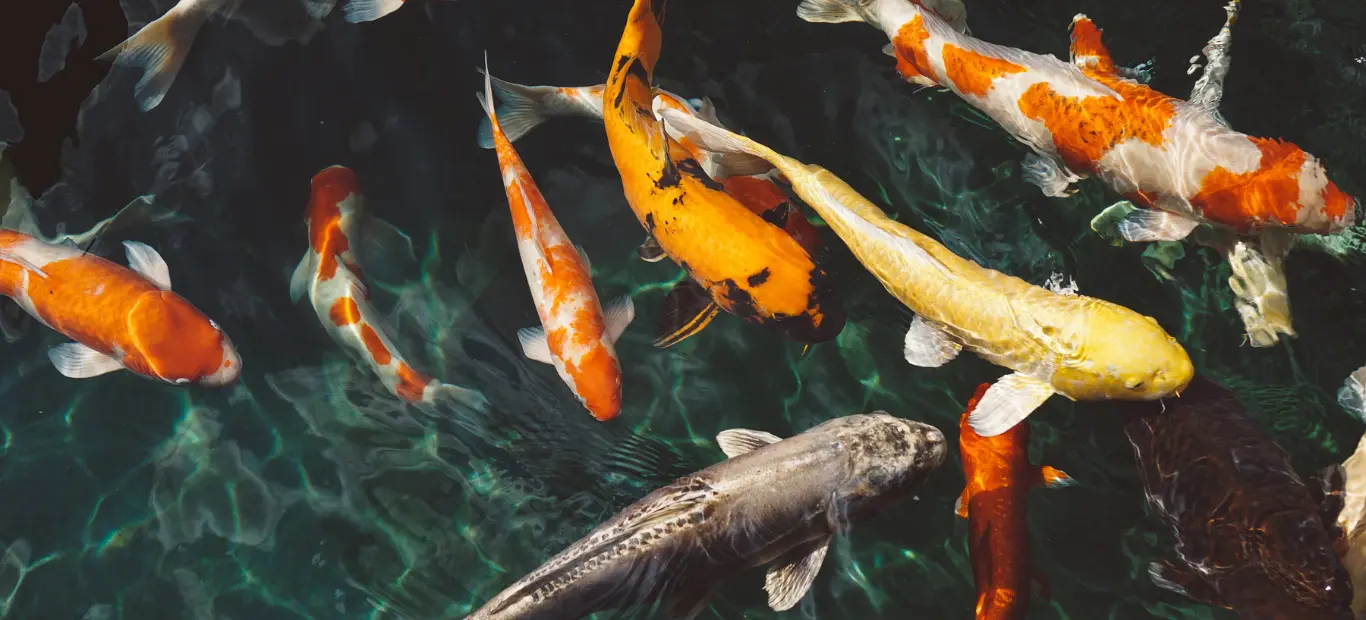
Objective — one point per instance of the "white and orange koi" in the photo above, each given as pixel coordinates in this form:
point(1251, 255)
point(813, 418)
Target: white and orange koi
point(1082, 118)
point(333, 280)
point(576, 336)
point(118, 317)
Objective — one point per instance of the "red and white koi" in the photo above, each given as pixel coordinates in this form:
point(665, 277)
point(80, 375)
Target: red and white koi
point(576, 336)
point(118, 317)
point(1085, 117)
point(329, 273)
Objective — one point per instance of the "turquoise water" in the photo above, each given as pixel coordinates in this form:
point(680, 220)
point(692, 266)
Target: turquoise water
point(307, 491)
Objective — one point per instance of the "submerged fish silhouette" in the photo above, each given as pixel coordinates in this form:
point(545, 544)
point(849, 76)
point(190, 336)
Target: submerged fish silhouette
point(774, 500)
point(1250, 534)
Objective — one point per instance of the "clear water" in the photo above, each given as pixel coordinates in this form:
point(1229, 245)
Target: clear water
point(306, 491)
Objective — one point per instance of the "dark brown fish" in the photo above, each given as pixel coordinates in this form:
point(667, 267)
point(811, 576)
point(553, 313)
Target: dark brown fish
point(1251, 535)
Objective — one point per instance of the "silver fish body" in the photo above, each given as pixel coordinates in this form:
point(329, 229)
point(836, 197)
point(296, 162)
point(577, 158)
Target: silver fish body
point(775, 501)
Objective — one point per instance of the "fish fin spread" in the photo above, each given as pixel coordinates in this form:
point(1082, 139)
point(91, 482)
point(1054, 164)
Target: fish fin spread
point(1049, 175)
point(739, 165)
point(687, 309)
point(960, 505)
point(12, 257)
point(1088, 51)
point(1184, 581)
point(928, 345)
point(383, 251)
point(737, 441)
point(1352, 394)
point(617, 315)
point(791, 576)
point(889, 50)
point(534, 344)
point(1209, 89)
point(1106, 223)
point(144, 260)
point(159, 49)
point(1053, 478)
point(1008, 402)
point(468, 397)
point(650, 250)
point(369, 10)
point(835, 11)
point(1061, 285)
point(706, 110)
point(583, 256)
point(78, 361)
point(715, 138)
point(303, 275)
point(523, 109)
point(1155, 225)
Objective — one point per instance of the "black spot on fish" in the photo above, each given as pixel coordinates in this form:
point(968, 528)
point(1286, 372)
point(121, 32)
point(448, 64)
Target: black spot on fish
point(778, 215)
point(693, 169)
point(644, 111)
point(621, 63)
point(638, 71)
point(669, 176)
point(740, 301)
point(678, 200)
point(760, 278)
point(650, 223)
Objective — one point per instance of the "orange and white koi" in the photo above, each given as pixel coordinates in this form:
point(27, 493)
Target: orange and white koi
point(576, 335)
point(117, 316)
point(1083, 118)
point(999, 477)
point(159, 48)
point(331, 276)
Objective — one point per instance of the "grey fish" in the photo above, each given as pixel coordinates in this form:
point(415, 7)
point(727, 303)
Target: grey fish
point(774, 500)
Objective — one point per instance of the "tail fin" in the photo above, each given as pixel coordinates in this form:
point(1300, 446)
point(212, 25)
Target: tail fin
point(445, 393)
point(836, 11)
point(523, 109)
point(370, 10)
point(159, 49)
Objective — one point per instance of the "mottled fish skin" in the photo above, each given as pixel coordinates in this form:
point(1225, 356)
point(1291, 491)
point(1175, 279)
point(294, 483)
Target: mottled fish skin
point(744, 512)
point(1250, 534)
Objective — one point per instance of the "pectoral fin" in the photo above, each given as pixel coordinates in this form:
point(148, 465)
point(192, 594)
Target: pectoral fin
point(1008, 402)
point(650, 251)
point(618, 315)
point(1184, 581)
point(384, 252)
point(1053, 478)
point(737, 441)
point(791, 576)
point(1049, 175)
point(534, 344)
point(686, 310)
point(1154, 225)
point(928, 345)
point(78, 361)
point(960, 505)
point(583, 256)
point(303, 274)
point(144, 260)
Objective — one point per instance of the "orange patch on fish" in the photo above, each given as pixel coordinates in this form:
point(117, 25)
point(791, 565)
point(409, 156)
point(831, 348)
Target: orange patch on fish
point(973, 73)
point(1086, 43)
point(344, 312)
point(1271, 192)
point(176, 339)
point(1085, 128)
point(375, 345)
point(330, 188)
point(761, 196)
point(597, 380)
point(911, 58)
point(411, 383)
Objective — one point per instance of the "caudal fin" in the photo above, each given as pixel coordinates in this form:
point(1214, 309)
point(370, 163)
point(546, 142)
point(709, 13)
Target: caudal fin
point(159, 49)
point(369, 10)
point(835, 11)
point(523, 109)
point(454, 394)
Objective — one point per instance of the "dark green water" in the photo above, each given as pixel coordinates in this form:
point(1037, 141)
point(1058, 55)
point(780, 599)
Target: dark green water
point(306, 491)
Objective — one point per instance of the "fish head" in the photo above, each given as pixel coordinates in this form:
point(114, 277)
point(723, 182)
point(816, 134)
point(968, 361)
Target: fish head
point(1297, 553)
point(332, 196)
point(173, 341)
point(885, 457)
point(1124, 356)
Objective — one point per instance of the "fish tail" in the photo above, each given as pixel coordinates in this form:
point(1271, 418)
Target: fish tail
point(523, 109)
point(447, 393)
point(1054, 478)
point(837, 11)
point(159, 49)
point(369, 10)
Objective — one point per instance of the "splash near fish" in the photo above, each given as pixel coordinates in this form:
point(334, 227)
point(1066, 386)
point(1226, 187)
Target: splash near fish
point(994, 501)
point(1055, 342)
point(331, 275)
point(576, 335)
point(751, 268)
point(118, 317)
point(776, 502)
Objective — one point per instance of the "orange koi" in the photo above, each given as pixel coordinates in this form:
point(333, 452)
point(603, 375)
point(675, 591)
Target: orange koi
point(748, 267)
point(1086, 117)
point(119, 317)
point(576, 335)
point(999, 477)
point(331, 276)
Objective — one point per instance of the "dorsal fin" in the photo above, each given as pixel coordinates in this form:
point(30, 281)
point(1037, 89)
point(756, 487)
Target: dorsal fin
point(1088, 51)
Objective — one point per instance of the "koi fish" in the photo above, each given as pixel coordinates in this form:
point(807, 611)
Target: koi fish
point(1056, 341)
point(773, 501)
point(330, 274)
point(999, 478)
point(576, 335)
point(750, 268)
point(159, 49)
point(1351, 521)
point(1084, 118)
point(119, 317)
point(1251, 535)
point(688, 307)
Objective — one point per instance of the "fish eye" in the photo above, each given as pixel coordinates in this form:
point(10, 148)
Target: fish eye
point(213, 324)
